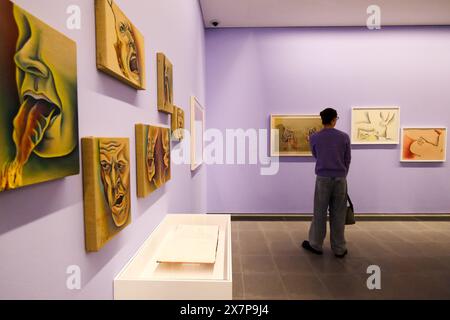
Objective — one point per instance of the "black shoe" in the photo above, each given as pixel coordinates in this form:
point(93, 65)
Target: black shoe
point(340, 256)
point(308, 247)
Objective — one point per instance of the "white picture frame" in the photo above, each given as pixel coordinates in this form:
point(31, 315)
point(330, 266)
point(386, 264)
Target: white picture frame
point(373, 129)
point(197, 133)
point(423, 145)
point(299, 125)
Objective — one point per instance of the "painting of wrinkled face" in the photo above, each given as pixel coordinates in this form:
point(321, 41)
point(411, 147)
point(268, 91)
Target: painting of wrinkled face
point(38, 95)
point(165, 84)
point(424, 144)
point(153, 158)
point(178, 124)
point(115, 172)
point(376, 125)
point(107, 202)
point(290, 134)
point(120, 46)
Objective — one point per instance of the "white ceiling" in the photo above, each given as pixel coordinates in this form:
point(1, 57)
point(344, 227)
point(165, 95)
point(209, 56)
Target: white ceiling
point(323, 13)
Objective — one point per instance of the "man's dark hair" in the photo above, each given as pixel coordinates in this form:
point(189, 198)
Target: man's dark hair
point(328, 115)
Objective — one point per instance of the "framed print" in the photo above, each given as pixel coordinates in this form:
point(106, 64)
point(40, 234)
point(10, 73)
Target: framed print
point(152, 158)
point(191, 244)
point(39, 104)
point(177, 124)
point(290, 134)
point(120, 45)
point(106, 188)
point(165, 84)
point(376, 125)
point(424, 144)
point(197, 132)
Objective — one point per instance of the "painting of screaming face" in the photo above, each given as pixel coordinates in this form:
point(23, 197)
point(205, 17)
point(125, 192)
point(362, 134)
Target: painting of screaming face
point(38, 96)
point(107, 202)
point(152, 158)
point(120, 46)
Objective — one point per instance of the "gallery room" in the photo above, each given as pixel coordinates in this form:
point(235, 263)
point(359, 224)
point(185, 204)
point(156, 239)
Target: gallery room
point(224, 150)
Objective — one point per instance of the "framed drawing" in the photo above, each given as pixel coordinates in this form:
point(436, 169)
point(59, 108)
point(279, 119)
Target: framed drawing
point(197, 132)
point(120, 46)
point(177, 124)
point(165, 84)
point(106, 185)
point(152, 158)
point(424, 145)
point(192, 244)
point(38, 96)
point(376, 125)
point(290, 134)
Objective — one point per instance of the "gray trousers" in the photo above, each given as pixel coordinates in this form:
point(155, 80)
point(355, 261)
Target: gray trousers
point(330, 194)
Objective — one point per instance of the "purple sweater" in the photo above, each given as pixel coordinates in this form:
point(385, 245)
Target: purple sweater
point(332, 150)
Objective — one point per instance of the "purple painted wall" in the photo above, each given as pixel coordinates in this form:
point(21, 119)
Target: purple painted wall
point(41, 227)
point(252, 73)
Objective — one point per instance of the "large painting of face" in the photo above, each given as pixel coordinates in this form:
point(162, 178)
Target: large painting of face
point(153, 158)
point(165, 84)
point(38, 95)
point(376, 125)
point(290, 134)
point(424, 144)
point(107, 202)
point(177, 124)
point(120, 46)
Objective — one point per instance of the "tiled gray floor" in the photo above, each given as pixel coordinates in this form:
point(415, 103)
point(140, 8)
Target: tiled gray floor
point(414, 257)
point(253, 264)
point(264, 286)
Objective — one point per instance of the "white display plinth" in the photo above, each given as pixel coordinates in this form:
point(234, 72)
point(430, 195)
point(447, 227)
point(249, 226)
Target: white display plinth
point(144, 279)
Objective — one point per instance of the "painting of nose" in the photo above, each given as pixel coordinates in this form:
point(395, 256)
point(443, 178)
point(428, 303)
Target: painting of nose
point(30, 64)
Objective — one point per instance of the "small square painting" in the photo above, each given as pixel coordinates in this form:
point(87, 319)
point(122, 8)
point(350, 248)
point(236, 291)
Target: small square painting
point(152, 158)
point(178, 124)
point(165, 84)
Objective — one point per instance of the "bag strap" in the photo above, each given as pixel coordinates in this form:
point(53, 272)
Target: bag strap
point(350, 201)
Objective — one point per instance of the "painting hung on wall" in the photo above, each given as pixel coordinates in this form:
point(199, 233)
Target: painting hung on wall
point(120, 45)
point(376, 125)
point(152, 158)
point(178, 124)
point(106, 184)
point(38, 95)
point(290, 134)
point(197, 132)
point(165, 84)
point(424, 145)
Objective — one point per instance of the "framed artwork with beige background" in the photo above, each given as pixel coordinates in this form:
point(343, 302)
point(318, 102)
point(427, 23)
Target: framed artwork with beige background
point(290, 134)
point(377, 125)
point(424, 144)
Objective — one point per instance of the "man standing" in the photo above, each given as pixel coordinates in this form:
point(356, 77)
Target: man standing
point(331, 148)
